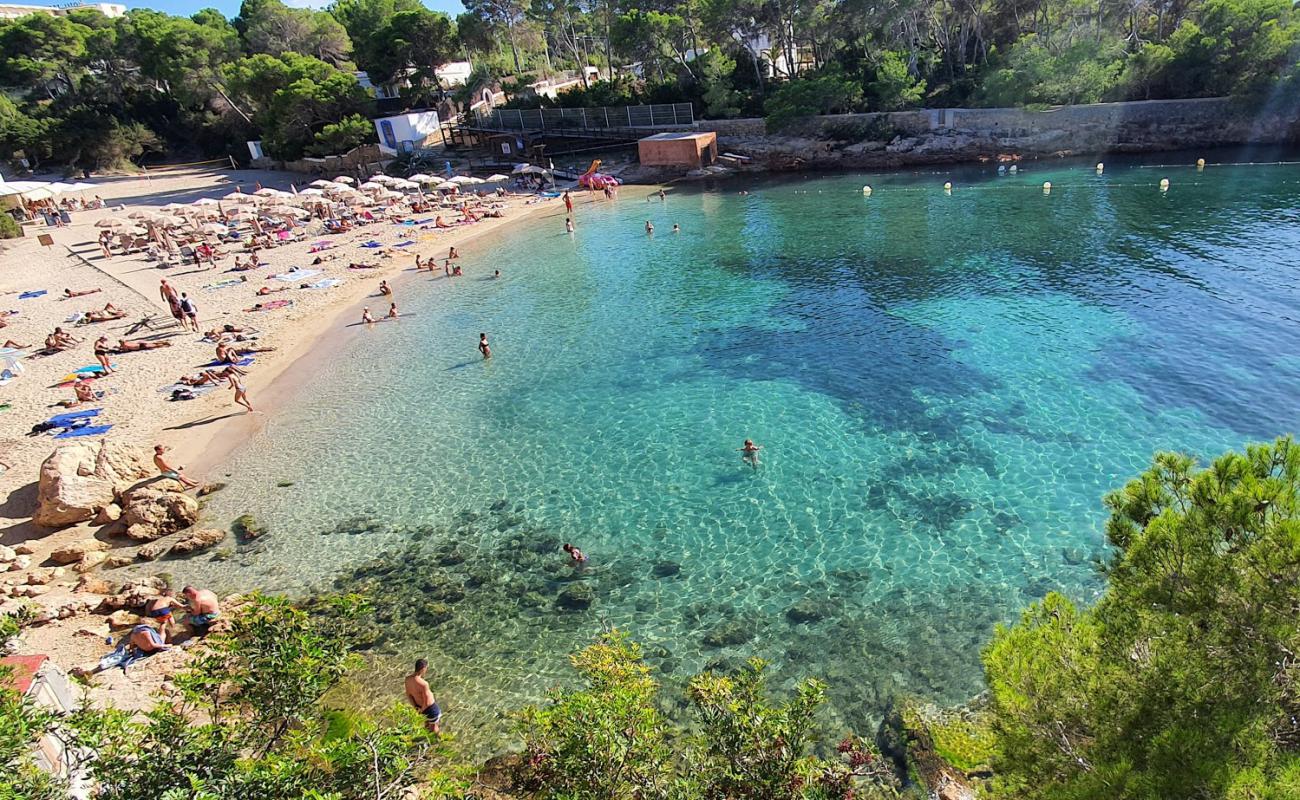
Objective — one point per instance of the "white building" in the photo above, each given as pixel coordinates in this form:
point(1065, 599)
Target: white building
point(404, 132)
point(15, 10)
point(454, 73)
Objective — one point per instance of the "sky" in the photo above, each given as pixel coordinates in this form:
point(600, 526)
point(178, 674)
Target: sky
point(231, 7)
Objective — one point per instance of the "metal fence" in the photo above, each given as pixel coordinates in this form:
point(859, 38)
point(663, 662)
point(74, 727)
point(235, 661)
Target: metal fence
point(540, 119)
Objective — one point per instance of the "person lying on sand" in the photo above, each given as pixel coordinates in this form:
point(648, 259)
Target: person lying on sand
point(363, 266)
point(123, 346)
point(438, 223)
point(83, 293)
point(230, 354)
point(10, 344)
point(265, 290)
point(110, 312)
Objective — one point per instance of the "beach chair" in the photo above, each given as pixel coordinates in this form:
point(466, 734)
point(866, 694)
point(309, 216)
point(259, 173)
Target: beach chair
point(150, 322)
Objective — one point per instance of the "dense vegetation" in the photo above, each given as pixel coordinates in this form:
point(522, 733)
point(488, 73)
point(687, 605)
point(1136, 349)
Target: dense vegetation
point(95, 92)
point(1181, 682)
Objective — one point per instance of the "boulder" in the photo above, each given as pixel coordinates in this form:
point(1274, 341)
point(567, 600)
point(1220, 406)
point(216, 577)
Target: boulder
point(122, 618)
point(40, 577)
point(731, 632)
point(24, 549)
point(79, 478)
point(151, 552)
point(108, 514)
point(247, 527)
point(91, 585)
point(89, 561)
point(151, 513)
point(7, 553)
point(113, 562)
point(72, 553)
point(806, 610)
point(20, 563)
point(199, 540)
point(209, 488)
point(666, 569)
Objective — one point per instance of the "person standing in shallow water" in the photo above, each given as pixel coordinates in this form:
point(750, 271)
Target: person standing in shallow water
point(421, 696)
point(749, 453)
point(483, 346)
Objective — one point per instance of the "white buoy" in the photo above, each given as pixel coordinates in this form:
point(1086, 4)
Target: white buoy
point(1047, 187)
point(1002, 169)
point(1100, 167)
point(1200, 164)
point(1012, 169)
point(1164, 184)
point(866, 190)
point(947, 187)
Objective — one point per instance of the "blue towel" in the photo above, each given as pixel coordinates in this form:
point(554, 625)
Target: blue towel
point(89, 430)
point(243, 362)
point(62, 420)
point(405, 244)
point(92, 369)
point(372, 243)
point(30, 295)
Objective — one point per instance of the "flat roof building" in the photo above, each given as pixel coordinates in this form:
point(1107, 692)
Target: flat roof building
point(684, 149)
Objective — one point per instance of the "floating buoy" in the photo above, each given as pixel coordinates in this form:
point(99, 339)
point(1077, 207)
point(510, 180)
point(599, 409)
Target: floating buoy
point(947, 186)
point(1012, 169)
point(1164, 184)
point(1047, 187)
point(866, 190)
point(1200, 164)
point(1100, 167)
point(1002, 169)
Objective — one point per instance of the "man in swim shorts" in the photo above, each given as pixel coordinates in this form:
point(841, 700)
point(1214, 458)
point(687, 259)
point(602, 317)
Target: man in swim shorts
point(204, 608)
point(421, 696)
point(167, 470)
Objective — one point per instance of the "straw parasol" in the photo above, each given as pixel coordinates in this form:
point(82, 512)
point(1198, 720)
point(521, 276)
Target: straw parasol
point(110, 222)
point(448, 186)
point(420, 177)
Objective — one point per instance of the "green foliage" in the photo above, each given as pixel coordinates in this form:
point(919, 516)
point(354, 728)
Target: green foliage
point(21, 724)
point(9, 229)
point(251, 724)
point(1032, 72)
point(418, 39)
point(894, 87)
point(607, 739)
point(1182, 681)
point(801, 98)
point(962, 738)
point(340, 137)
point(721, 100)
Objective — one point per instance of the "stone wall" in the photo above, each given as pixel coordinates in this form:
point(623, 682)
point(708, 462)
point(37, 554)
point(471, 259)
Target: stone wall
point(954, 135)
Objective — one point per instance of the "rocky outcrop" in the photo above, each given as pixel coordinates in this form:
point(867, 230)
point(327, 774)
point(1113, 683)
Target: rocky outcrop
point(905, 739)
point(72, 553)
point(199, 540)
point(80, 478)
point(151, 513)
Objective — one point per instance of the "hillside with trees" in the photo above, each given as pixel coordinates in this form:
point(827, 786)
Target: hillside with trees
point(93, 92)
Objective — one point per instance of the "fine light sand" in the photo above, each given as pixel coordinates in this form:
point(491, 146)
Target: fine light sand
point(201, 431)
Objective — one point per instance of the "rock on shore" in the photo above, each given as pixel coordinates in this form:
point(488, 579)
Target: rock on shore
point(79, 479)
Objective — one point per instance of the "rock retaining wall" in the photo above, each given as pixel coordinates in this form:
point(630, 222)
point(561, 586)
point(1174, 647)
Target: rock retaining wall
point(955, 135)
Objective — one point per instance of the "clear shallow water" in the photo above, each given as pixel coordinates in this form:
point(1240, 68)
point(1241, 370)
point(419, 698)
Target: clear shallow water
point(945, 386)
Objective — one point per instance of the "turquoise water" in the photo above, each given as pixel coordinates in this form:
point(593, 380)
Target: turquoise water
point(944, 387)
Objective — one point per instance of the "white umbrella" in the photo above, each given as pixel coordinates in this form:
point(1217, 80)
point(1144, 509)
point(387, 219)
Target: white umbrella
point(447, 186)
point(497, 177)
point(343, 179)
point(531, 169)
point(206, 201)
point(460, 179)
point(321, 183)
point(399, 184)
point(311, 193)
point(371, 186)
point(110, 222)
point(268, 192)
point(141, 214)
point(380, 177)
point(420, 177)
point(175, 207)
point(475, 181)
point(214, 228)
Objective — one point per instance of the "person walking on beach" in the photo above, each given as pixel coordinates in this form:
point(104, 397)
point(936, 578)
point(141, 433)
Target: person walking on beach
point(167, 470)
point(168, 293)
point(568, 202)
point(190, 312)
point(749, 453)
point(483, 346)
point(102, 353)
point(421, 696)
point(241, 394)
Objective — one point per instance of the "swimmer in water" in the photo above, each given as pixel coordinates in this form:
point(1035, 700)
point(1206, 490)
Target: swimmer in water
point(483, 346)
point(649, 227)
point(496, 274)
point(568, 224)
point(677, 228)
point(392, 311)
point(576, 555)
point(749, 453)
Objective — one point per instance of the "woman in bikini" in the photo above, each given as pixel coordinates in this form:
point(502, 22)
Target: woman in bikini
point(102, 353)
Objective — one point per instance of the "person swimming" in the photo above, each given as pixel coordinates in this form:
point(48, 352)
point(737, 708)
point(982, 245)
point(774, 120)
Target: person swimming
point(576, 555)
point(649, 227)
point(749, 453)
point(677, 228)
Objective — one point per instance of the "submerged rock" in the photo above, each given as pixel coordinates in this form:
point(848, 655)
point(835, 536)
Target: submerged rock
point(666, 569)
point(807, 610)
point(576, 597)
point(199, 540)
point(729, 633)
point(247, 527)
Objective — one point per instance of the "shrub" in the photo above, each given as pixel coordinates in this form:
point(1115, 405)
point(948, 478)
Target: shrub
point(9, 229)
point(806, 97)
point(339, 137)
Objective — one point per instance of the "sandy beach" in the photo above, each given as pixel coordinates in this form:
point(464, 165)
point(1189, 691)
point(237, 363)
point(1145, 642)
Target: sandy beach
point(202, 431)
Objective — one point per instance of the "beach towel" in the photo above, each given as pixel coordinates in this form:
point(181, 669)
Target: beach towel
point(63, 420)
point(243, 362)
point(405, 244)
point(30, 295)
point(89, 430)
point(196, 390)
point(327, 283)
point(290, 277)
point(75, 319)
point(372, 244)
point(224, 284)
point(274, 304)
point(84, 372)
